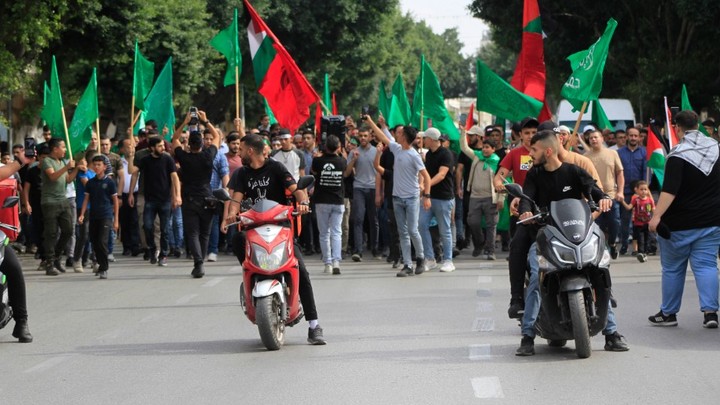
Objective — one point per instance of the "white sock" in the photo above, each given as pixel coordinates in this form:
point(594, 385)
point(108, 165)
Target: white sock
point(313, 324)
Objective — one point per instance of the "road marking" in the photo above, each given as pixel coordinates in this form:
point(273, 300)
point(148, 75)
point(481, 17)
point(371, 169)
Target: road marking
point(49, 363)
point(483, 325)
point(480, 352)
point(485, 307)
point(111, 335)
point(487, 387)
point(185, 299)
point(484, 279)
point(484, 292)
point(150, 318)
point(214, 282)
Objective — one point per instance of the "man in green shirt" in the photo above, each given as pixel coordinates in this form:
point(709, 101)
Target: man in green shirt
point(55, 175)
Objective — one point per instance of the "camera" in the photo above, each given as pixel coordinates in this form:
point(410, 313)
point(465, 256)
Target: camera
point(30, 147)
point(193, 116)
point(333, 125)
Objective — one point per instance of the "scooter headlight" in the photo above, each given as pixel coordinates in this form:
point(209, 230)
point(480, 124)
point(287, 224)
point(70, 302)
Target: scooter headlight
point(590, 250)
point(269, 261)
point(563, 253)
point(605, 261)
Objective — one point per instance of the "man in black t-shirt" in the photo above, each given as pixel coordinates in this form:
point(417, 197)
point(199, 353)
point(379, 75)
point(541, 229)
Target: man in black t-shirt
point(440, 165)
point(197, 167)
point(266, 179)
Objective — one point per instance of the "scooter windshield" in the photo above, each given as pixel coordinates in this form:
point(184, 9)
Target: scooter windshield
point(264, 205)
point(572, 218)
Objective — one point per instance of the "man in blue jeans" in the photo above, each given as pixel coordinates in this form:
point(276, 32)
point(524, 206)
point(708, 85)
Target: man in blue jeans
point(361, 161)
point(406, 191)
point(552, 180)
point(689, 211)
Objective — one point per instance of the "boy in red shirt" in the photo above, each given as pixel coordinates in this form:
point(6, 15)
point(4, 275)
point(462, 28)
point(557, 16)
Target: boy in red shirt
point(642, 205)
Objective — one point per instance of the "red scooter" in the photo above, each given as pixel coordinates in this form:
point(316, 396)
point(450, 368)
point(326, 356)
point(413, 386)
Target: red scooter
point(269, 294)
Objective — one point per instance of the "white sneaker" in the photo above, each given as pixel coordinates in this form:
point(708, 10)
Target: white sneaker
point(77, 266)
point(430, 264)
point(328, 269)
point(111, 258)
point(212, 257)
point(447, 266)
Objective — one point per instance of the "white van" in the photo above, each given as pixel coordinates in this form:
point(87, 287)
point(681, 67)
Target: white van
point(618, 110)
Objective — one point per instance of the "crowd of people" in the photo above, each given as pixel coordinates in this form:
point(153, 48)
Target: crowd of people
point(392, 193)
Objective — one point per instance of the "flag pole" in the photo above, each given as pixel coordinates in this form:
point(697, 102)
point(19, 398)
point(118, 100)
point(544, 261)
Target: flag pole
point(242, 105)
point(237, 92)
point(577, 123)
point(67, 135)
point(132, 112)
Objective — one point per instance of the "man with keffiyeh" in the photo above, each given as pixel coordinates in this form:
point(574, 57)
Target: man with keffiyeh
point(687, 218)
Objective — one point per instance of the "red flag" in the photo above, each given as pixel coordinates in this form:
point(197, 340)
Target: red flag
point(470, 117)
point(334, 105)
point(670, 132)
point(279, 80)
point(529, 76)
point(318, 121)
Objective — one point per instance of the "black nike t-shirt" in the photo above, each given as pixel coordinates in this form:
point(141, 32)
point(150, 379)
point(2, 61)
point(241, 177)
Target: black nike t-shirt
point(568, 181)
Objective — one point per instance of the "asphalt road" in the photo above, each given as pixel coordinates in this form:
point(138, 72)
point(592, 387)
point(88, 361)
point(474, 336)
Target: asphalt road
point(152, 335)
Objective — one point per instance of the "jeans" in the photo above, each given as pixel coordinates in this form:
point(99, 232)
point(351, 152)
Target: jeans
point(700, 248)
point(364, 202)
point(532, 300)
point(82, 239)
point(407, 211)
point(441, 209)
point(212, 246)
point(176, 234)
point(162, 210)
point(609, 222)
point(459, 219)
point(329, 220)
point(625, 224)
point(70, 247)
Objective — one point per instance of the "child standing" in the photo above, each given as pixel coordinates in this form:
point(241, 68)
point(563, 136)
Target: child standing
point(101, 193)
point(642, 206)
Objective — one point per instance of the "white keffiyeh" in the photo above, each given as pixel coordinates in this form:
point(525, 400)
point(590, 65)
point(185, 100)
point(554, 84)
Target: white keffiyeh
point(697, 149)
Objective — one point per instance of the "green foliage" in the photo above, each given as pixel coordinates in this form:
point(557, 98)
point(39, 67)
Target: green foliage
point(657, 46)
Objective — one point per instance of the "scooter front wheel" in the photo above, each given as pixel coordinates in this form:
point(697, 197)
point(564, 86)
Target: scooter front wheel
point(269, 322)
point(581, 333)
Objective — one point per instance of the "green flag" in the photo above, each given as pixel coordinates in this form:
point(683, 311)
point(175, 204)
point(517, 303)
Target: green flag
point(53, 111)
point(143, 74)
point(585, 82)
point(383, 100)
point(599, 117)
point(429, 102)
point(226, 42)
point(159, 101)
point(499, 98)
point(399, 112)
point(326, 95)
point(86, 113)
point(269, 112)
point(686, 106)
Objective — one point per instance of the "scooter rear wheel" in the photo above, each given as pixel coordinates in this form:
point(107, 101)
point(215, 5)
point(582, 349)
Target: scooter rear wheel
point(269, 322)
point(576, 302)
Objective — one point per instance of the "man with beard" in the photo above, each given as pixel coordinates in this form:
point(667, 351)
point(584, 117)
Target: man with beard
point(262, 178)
point(633, 157)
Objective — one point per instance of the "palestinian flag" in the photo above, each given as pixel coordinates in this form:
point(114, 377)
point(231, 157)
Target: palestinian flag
point(655, 155)
point(288, 93)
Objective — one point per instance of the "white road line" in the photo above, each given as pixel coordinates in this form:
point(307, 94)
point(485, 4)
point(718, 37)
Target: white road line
point(483, 325)
point(47, 364)
point(484, 279)
point(214, 282)
point(185, 299)
point(485, 307)
point(487, 387)
point(480, 352)
point(484, 293)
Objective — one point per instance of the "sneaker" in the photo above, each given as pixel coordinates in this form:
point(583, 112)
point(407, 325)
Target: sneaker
point(642, 257)
point(102, 275)
point(95, 268)
point(616, 343)
point(146, 255)
point(50, 270)
point(178, 253)
point(516, 308)
point(613, 252)
point(447, 266)
point(476, 252)
point(111, 258)
point(69, 262)
point(395, 264)
point(711, 320)
point(430, 264)
point(197, 271)
point(356, 257)
point(21, 331)
point(212, 257)
point(328, 268)
point(623, 250)
point(419, 266)
point(336, 268)
point(77, 266)
point(162, 262)
point(491, 256)
point(315, 336)
point(527, 346)
point(153, 258)
point(58, 265)
point(661, 319)
point(406, 271)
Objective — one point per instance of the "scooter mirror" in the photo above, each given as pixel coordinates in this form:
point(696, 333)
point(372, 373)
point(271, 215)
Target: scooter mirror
point(514, 190)
point(221, 194)
point(305, 182)
point(10, 201)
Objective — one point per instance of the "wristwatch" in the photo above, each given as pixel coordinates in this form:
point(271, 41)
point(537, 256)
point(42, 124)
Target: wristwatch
point(426, 195)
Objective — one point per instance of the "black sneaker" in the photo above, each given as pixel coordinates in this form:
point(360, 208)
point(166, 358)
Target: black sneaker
point(146, 255)
point(616, 343)
point(661, 319)
point(315, 336)
point(57, 264)
point(153, 258)
point(527, 346)
point(613, 252)
point(356, 257)
point(419, 266)
point(102, 274)
point(197, 271)
point(69, 262)
point(516, 308)
point(406, 271)
point(22, 332)
point(711, 320)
